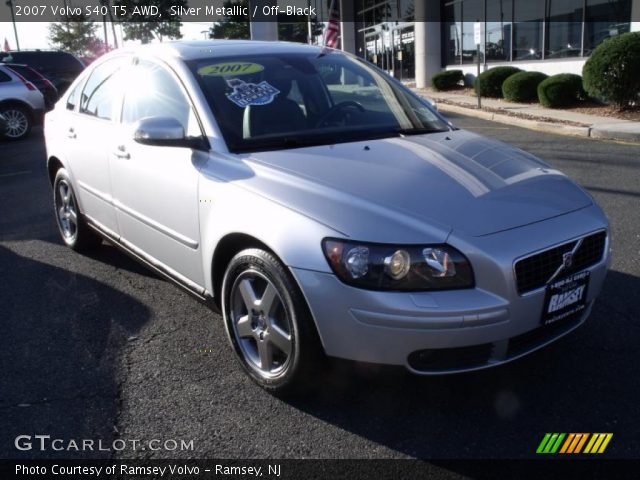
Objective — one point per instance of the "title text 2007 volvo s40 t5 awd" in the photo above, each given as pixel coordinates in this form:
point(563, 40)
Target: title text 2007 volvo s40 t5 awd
point(323, 207)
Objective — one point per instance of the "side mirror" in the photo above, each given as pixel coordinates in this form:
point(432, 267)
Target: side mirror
point(160, 131)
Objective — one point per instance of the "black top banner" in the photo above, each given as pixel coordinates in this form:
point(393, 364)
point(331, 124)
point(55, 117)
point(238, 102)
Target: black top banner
point(364, 12)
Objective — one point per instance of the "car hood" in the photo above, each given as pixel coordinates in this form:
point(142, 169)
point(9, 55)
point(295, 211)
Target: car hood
point(417, 188)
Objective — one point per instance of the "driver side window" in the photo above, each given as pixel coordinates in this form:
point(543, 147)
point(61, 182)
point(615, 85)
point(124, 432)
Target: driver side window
point(154, 92)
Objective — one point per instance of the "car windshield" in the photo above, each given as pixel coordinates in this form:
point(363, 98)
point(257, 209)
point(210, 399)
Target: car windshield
point(278, 101)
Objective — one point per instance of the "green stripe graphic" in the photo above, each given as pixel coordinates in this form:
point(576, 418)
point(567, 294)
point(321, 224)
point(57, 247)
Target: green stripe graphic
point(543, 443)
point(550, 443)
point(558, 442)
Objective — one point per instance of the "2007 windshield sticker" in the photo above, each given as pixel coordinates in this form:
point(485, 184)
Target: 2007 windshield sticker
point(245, 93)
point(230, 68)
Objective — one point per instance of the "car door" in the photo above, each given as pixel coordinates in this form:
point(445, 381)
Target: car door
point(155, 188)
point(89, 130)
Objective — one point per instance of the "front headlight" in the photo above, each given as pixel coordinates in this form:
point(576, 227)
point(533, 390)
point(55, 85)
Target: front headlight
point(392, 267)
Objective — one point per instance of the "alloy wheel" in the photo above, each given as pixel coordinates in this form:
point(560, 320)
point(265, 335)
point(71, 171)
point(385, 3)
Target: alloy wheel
point(260, 324)
point(17, 123)
point(67, 211)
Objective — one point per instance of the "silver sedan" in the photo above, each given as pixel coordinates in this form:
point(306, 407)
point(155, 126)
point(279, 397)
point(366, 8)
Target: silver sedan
point(325, 209)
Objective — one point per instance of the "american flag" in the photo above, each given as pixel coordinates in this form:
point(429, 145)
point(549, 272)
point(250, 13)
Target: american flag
point(332, 32)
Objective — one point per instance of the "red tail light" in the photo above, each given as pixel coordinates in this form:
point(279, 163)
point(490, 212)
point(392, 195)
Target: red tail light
point(27, 84)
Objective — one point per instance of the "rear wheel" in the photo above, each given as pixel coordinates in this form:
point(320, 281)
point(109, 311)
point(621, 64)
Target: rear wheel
point(74, 231)
point(19, 121)
point(268, 322)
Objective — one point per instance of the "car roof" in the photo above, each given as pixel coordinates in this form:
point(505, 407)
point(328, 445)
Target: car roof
point(21, 65)
point(195, 49)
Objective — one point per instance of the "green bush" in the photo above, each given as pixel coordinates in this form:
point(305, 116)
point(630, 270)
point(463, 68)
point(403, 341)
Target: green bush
point(561, 90)
point(523, 86)
point(447, 80)
point(490, 82)
point(612, 72)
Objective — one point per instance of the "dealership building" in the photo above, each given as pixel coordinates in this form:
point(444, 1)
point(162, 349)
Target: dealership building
point(413, 39)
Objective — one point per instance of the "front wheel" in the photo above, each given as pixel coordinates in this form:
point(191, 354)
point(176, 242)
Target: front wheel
point(268, 322)
point(74, 231)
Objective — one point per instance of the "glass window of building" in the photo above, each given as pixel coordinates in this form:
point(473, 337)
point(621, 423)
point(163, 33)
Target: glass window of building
point(603, 20)
point(528, 29)
point(498, 30)
point(472, 12)
point(452, 47)
point(564, 28)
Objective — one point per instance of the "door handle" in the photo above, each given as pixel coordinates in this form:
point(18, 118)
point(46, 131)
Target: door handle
point(121, 152)
point(71, 133)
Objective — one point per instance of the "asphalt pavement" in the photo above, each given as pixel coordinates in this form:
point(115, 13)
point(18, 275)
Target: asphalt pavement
point(97, 347)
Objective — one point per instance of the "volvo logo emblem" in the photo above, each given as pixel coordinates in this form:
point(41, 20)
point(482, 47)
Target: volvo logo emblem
point(567, 260)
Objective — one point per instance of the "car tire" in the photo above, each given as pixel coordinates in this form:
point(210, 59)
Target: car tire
point(269, 324)
point(75, 232)
point(19, 121)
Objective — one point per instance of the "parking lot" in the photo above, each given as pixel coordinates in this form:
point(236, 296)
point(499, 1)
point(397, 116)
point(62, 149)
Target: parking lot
point(97, 347)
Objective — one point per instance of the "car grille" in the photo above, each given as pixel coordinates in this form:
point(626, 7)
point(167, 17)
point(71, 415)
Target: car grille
point(535, 271)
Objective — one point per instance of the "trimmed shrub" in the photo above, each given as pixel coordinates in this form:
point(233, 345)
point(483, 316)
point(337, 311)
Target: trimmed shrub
point(523, 86)
point(447, 80)
point(490, 82)
point(612, 72)
point(561, 90)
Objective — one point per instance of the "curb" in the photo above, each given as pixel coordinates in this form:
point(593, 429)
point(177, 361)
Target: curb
point(596, 132)
point(520, 122)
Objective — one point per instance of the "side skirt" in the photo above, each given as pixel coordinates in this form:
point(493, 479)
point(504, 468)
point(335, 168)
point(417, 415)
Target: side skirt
point(196, 291)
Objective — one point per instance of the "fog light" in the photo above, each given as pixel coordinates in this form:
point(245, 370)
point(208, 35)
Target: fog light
point(357, 262)
point(440, 262)
point(398, 264)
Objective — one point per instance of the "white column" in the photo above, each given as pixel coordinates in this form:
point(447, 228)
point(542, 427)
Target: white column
point(635, 15)
point(263, 29)
point(428, 53)
point(347, 29)
point(427, 38)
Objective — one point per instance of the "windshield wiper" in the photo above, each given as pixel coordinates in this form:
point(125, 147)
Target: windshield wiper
point(417, 131)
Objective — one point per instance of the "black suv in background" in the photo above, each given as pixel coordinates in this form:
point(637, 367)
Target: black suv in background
point(60, 67)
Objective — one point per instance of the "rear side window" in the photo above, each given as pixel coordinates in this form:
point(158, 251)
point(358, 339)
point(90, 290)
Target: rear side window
point(103, 90)
point(68, 62)
point(72, 99)
point(4, 77)
point(39, 59)
point(54, 61)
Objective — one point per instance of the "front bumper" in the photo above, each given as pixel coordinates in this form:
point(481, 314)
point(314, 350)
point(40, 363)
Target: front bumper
point(446, 331)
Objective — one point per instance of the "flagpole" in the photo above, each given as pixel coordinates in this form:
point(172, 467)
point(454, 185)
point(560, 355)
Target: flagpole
point(9, 3)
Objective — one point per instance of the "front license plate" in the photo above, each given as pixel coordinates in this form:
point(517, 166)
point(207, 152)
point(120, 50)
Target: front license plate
point(565, 297)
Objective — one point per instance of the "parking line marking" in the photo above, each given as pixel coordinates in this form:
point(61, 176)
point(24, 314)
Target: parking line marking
point(24, 172)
